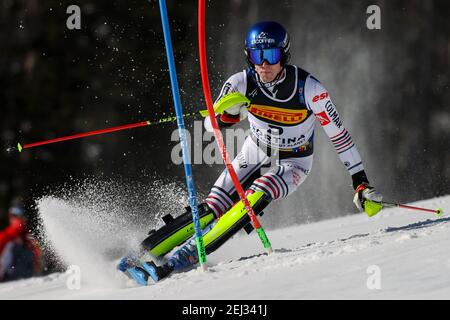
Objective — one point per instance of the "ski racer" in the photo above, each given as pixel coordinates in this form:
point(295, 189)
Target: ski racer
point(284, 104)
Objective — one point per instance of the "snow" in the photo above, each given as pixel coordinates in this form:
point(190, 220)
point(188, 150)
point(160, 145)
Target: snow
point(398, 254)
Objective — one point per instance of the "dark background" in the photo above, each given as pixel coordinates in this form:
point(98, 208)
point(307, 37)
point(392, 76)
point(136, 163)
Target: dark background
point(391, 87)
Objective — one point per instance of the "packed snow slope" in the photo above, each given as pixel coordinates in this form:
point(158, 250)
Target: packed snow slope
point(398, 254)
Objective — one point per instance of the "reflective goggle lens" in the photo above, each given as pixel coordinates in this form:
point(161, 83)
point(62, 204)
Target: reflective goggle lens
point(272, 56)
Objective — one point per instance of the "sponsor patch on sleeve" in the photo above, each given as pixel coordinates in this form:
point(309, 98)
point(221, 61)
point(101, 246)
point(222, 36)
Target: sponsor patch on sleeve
point(323, 118)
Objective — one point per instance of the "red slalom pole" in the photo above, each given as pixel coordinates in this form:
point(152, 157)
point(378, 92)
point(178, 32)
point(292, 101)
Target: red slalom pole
point(217, 133)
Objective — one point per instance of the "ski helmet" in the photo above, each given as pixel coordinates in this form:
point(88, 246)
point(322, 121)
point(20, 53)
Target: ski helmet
point(16, 211)
point(267, 40)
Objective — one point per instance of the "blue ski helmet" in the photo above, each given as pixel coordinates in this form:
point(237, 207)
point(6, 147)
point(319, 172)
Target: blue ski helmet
point(267, 40)
point(16, 211)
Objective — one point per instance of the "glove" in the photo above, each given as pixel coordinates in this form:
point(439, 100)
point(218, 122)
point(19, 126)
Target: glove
point(238, 109)
point(367, 199)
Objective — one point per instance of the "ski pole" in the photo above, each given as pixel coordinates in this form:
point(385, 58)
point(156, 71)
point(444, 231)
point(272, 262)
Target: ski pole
point(183, 141)
point(21, 147)
point(438, 211)
point(217, 133)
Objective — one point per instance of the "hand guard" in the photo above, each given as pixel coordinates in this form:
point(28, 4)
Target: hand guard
point(367, 199)
point(234, 101)
point(232, 104)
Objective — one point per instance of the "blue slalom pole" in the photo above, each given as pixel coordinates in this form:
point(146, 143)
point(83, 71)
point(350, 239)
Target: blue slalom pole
point(184, 145)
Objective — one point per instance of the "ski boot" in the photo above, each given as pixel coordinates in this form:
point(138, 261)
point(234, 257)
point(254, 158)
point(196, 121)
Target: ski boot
point(155, 272)
point(184, 257)
point(140, 265)
point(130, 265)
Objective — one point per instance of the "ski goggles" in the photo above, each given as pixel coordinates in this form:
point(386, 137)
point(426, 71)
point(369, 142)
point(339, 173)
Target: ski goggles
point(272, 55)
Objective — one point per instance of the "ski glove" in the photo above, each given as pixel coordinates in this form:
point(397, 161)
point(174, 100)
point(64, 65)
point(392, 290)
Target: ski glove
point(231, 109)
point(238, 109)
point(223, 120)
point(367, 199)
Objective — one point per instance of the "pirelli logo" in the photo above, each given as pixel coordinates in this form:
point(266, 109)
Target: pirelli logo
point(280, 115)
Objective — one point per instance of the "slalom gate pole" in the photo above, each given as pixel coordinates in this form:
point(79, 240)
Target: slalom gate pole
point(438, 212)
point(218, 135)
point(184, 146)
point(20, 147)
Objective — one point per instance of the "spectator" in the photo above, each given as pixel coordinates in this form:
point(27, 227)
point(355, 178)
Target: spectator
point(20, 254)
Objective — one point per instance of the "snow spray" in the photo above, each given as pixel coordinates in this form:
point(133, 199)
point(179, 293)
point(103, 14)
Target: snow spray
point(92, 224)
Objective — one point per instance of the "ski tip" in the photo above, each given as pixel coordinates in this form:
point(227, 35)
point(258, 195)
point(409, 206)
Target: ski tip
point(19, 147)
